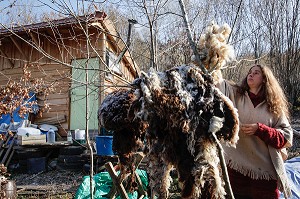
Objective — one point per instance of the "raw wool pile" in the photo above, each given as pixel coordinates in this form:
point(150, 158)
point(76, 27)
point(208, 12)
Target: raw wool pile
point(213, 48)
point(114, 115)
point(180, 110)
point(129, 131)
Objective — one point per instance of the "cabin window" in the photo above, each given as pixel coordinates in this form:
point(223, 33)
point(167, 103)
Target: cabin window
point(111, 60)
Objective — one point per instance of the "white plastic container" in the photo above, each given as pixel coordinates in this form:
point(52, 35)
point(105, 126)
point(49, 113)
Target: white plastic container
point(23, 131)
point(79, 134)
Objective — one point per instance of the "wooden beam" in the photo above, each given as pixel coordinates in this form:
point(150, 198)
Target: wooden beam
point(116, 181)
point(9, 60)
point(138, 157)
point(53, 120)
point(18, 47)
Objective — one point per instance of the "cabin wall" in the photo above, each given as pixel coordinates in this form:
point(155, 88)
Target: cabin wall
point(53, 65)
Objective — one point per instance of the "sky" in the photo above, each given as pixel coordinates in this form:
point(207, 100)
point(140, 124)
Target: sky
point(12, 12)
point(7, 7)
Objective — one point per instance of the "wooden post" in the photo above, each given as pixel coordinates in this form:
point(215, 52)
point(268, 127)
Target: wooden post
point(118, 180)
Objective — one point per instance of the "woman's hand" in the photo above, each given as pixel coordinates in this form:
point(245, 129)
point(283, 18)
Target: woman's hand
point(249, 129)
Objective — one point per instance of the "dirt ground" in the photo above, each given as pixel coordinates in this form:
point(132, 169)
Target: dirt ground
point(64, 183)
point(50, 184)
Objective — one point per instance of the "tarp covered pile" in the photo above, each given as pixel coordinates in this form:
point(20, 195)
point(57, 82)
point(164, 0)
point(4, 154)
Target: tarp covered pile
point(103, 184)
point(292, 167)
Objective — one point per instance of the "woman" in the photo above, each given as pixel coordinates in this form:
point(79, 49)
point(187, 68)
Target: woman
point(255, 166)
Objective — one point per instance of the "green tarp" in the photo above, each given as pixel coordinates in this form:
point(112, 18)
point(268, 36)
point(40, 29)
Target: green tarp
point(102, 183)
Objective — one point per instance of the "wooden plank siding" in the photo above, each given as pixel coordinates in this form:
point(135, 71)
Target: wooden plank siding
point(62, 43)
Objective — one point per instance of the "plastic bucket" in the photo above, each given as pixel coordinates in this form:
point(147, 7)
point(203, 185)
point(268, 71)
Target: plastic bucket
point(10, 189)
point(79, 134)
point(36, 165)
point(104, 145)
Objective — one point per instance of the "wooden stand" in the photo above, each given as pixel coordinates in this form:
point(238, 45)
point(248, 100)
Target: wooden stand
point(118, 180)
point(32, 139)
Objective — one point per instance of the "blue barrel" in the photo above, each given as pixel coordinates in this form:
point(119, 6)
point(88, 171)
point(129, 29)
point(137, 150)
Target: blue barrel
point(104, 145)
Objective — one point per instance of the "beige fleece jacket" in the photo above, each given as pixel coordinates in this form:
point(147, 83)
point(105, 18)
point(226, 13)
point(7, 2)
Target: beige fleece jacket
point(252, 157)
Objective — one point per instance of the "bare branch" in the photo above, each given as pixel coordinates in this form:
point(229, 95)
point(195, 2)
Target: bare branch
point(189, 34)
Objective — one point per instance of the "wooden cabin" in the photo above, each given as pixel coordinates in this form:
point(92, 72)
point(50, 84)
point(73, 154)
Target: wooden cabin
point(60, 52)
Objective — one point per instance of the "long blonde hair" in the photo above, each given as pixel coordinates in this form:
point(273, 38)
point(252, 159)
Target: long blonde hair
point(271, 90)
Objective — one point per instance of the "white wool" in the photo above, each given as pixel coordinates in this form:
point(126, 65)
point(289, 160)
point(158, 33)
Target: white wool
point(214, 60)
point(209, 29)
point(183, 70)
point(190, 87)
point(222, 63)
point(211, 154)
point(221, 37)
point(207, 170)
point(146, 92)
point(184, 95)
point(154, 80)
point(193, 58)
point(216, 123)
point(143, 113)
point(202, 40)
point(107, 104)
point(230, 53)
point(225, 30)
point(214, 43)
point(137, 93)
point(191, 141)
point(199, 77)
point(216, 28)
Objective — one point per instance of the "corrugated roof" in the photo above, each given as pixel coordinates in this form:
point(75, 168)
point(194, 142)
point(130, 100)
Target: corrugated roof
point(97, 16)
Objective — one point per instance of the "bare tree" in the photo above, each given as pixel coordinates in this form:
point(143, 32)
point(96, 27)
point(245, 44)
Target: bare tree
point(277, 36)
point(87, 46)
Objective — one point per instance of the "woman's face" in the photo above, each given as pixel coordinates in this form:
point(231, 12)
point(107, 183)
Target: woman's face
point(255, 78)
